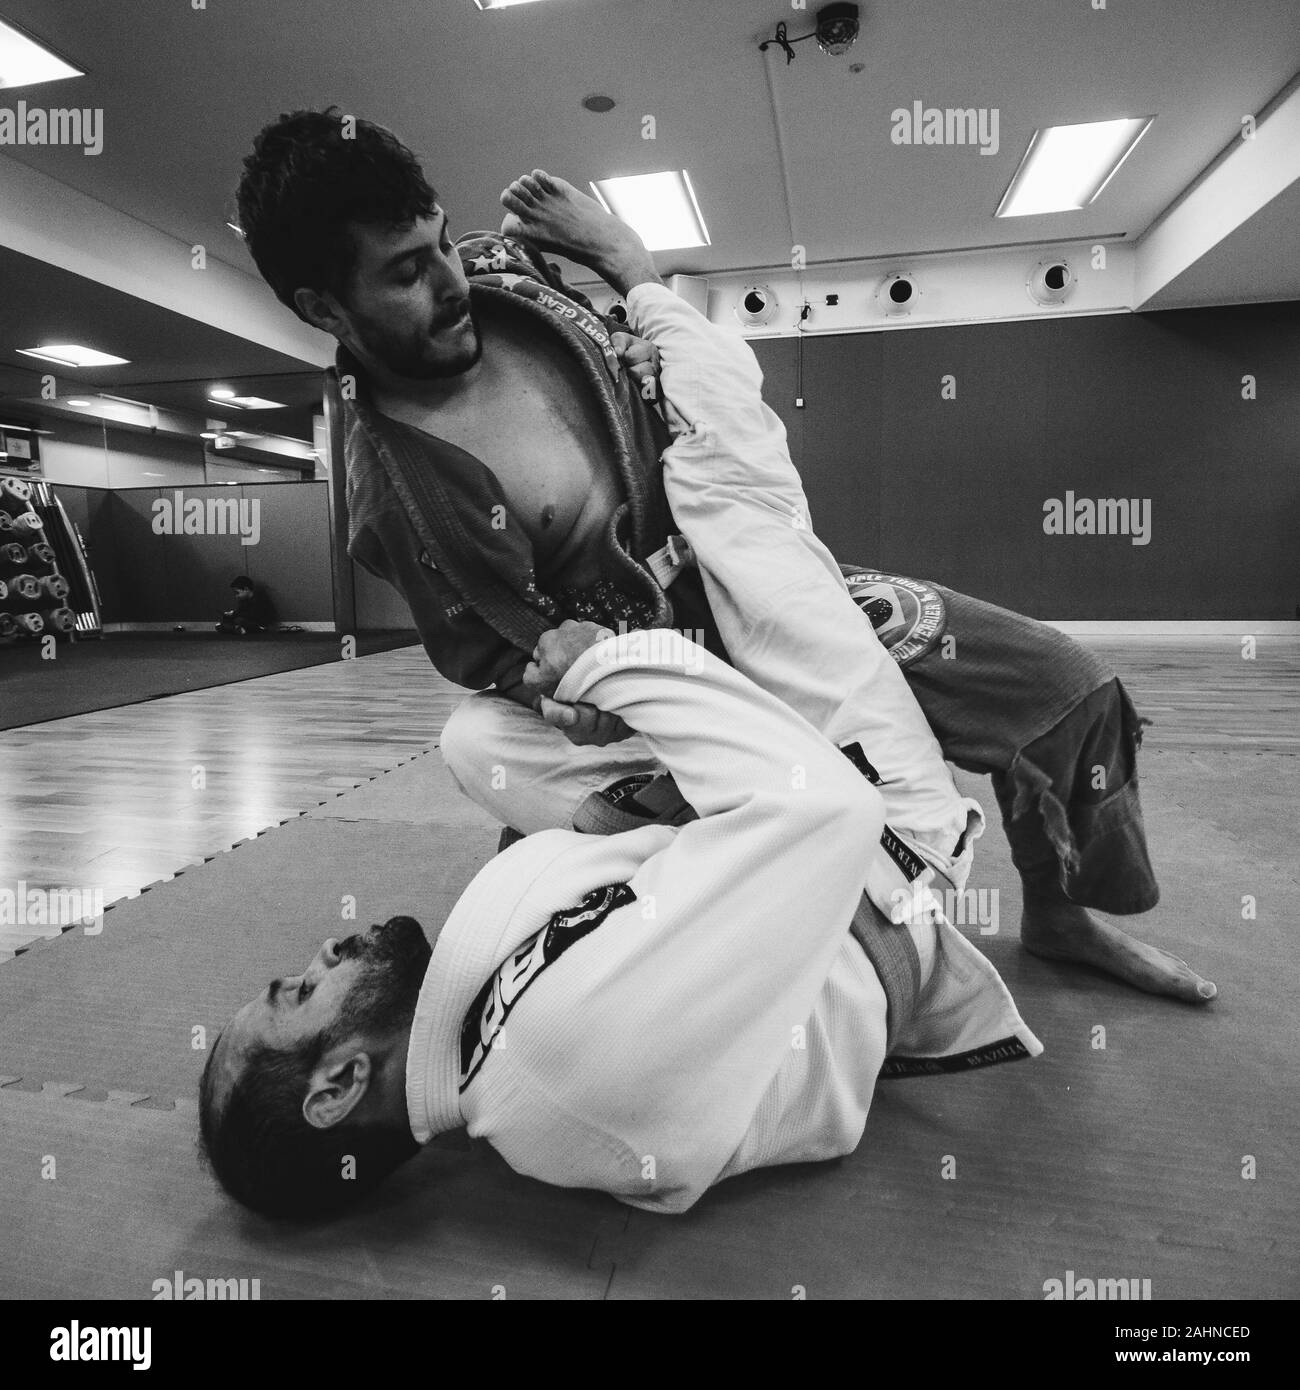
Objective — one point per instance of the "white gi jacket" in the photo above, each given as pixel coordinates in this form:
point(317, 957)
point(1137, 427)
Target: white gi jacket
point(651, 1012)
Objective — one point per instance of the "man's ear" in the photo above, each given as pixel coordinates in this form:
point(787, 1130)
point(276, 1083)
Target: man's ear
point(320, 310)
point(336, 1089)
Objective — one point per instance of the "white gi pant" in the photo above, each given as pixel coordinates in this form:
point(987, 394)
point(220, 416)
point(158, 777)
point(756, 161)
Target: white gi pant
point(781, 606)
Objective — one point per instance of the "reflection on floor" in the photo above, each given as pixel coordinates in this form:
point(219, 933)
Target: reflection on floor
point(123, 798)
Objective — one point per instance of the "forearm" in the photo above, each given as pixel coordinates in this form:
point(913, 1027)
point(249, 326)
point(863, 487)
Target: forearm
point(511, 685)
point(726, 741)
point(747, 907)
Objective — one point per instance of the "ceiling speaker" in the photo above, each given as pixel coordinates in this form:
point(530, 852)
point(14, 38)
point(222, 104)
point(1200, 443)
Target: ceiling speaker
point(1050, 282)
point(897, 294)
point(757, 305)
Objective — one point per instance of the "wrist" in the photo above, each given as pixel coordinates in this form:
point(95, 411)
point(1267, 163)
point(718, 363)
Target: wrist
point(576, 676)
point(627, 274)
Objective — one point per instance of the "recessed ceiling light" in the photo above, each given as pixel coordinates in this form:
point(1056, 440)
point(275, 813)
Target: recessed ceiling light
point(1067, 166)
point(72, 355)
point(660, 207)
point(78, 402)
point(221, 393)
point(245, 402)
point(24, 62)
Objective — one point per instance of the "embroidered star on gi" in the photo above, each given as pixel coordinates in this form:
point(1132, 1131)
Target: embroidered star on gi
point(498, 260)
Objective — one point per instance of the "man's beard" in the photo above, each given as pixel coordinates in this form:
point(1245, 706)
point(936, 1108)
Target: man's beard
point(393, 959)
point(421, 358)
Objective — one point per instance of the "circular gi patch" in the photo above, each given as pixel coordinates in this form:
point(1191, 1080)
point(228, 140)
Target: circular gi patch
point(908, 616)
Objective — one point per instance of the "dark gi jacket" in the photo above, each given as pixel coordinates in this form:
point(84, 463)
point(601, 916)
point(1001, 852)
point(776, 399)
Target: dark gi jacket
point(421, 510)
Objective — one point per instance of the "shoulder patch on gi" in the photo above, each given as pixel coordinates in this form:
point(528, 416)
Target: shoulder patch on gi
point(493, 1003)
point(908, 615)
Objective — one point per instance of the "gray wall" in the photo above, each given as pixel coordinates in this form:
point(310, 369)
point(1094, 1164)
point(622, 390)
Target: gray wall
point(1124, 405)
point(89, 453)
point(149, 578)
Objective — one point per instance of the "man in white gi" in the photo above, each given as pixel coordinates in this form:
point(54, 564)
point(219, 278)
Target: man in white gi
point(650, 1012)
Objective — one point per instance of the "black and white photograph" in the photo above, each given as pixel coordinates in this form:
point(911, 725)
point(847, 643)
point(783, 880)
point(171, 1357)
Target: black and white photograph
point(649, 651)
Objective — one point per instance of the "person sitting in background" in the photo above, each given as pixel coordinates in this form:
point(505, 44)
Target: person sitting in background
point(251, 613)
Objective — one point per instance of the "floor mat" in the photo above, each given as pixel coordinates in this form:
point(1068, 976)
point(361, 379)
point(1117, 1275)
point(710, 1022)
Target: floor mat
point(419, 792)
point(103, 1199)
point(1151, 1141)
point(116, 1010)
point(126, 668)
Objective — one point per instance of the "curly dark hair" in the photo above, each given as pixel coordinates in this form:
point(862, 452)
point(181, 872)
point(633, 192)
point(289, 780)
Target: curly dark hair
point(311, 173)
point(265, 1154)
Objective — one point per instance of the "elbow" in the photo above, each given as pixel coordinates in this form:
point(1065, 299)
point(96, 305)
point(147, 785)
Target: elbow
point(849, 838)
point(855, 812)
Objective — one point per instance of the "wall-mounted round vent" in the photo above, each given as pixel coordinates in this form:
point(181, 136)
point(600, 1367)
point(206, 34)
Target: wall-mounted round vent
point(757, 305)
point(1050, 282)
point(898, 294)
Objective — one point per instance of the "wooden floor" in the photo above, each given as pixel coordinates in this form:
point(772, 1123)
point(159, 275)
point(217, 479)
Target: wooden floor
point(108, 800)
point(1203, 693)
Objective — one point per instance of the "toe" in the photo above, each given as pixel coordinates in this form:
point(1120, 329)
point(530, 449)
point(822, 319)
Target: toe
point(1186, 984)
point(535, 189)
point(1195, 990)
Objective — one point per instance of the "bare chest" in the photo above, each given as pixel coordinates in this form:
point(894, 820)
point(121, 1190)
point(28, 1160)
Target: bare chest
point(531, 416)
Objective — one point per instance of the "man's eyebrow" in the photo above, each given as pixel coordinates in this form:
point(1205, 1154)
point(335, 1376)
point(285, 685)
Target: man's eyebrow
point(394, 261)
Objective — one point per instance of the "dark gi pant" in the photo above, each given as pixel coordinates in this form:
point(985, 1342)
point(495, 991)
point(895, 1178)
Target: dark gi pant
point(1058, 734)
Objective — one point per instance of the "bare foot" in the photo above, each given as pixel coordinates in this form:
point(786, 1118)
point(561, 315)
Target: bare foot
point(552, 214)
point(1063, 931)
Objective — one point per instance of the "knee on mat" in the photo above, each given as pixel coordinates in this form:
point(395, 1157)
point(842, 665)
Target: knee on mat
point(470, 740)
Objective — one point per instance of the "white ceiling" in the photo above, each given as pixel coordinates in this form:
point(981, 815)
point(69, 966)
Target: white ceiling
point(483, 96)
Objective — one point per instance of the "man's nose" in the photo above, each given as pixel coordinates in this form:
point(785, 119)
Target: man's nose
point(325, 959)
point(450, 276)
